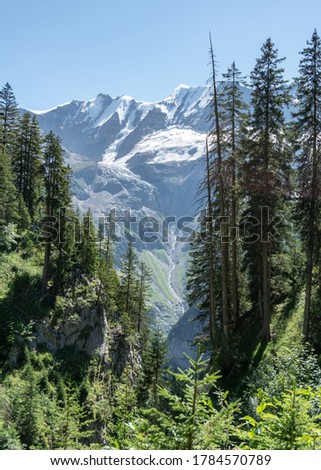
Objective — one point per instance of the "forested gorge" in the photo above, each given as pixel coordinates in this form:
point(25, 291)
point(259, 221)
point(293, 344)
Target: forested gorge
point(253, 277)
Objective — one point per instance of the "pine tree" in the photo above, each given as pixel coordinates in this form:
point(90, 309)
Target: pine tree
point(8, 118)
point(143, 283)
point(195, 422)
point(285, 422)
point(27, 162)
point(219, 206)
point(57, 198)
point(9, 205)
point(127, 286)
point(234, 114)
point(26, 407)
point(71, 424)
point(65, 273)
point(88, 249)
point(107, 271)
point(266, 174)
point(308, 131)
point(200, 284)
point(153, 363)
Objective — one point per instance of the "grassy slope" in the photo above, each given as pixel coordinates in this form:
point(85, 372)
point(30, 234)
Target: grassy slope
point(161, 295)
point(286, 328)
point(13, 265)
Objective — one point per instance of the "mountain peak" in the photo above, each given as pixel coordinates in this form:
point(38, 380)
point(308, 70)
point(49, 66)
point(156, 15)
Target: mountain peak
point(182, 86)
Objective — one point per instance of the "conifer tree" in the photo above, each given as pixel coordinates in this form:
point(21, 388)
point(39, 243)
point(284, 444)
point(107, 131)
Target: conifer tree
point(200, 284)
point(221, 191)
point(57, 198)
point(71, 425)
point(26, 407)
point(127, 286)
point(234, 113)
point(154, 361)
point(27, 162)
point(106, 269)
point(88, 249)
point(218, 184)
point(143, 283)
point(308, 131)
point(195, 422)
point(9, 205)
point(67, 260)
point(9, 118)
point(266, 174)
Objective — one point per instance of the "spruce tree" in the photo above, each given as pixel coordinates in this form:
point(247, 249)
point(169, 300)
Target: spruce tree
point(234, 114)
point(218, 185)
point(106, 269)
point(266, 173)
point(9, 118)
point(200, 284)
point(308, 131)
point(154, 359)
point(27, 162)
point(88, 249)
point(127, 295)
point(56, 200)
point(143, 283)
point(9, 205)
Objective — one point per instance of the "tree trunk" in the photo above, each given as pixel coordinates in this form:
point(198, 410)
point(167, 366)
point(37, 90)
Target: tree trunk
point(224, 245)
point(312, 217)
point(309, 275)
point(235, 294)
point(211, 255)
point(235, 299)
point(45, 274)
point(308, 291)
point(265, 298)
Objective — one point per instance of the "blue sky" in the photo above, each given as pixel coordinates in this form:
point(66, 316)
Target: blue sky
point(55, 51)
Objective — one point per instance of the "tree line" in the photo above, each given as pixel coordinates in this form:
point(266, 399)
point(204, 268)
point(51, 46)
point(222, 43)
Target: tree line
point(258, 244)
point(75, 271)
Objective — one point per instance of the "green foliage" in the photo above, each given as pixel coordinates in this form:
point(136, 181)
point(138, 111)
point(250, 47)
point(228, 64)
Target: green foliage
point(108, 277)
point(88, 250)
point(36, 415)
point(133, 293)
point(9, 215)
point(99, 401)
point(266, 181)
point(191, 416)
point(307, 128)
point(154, 359)
point(8, 119)
point(290, 421)
point(20, 304)
point(57, 201)
point(27, 164)
point(280, 369)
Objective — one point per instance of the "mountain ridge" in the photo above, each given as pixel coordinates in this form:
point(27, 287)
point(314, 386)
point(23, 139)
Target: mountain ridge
point(143, 156)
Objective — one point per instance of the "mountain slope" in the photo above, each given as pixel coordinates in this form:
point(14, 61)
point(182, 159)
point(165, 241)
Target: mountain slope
point(143, 157)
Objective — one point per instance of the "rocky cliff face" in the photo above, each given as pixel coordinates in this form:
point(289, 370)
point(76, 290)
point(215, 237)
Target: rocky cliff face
point(80, 325)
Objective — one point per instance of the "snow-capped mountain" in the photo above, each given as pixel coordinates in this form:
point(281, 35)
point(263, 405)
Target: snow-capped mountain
point(107, 129)
point(143, 156)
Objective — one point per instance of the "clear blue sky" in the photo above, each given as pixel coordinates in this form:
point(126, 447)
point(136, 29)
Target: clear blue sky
point(53, 51)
